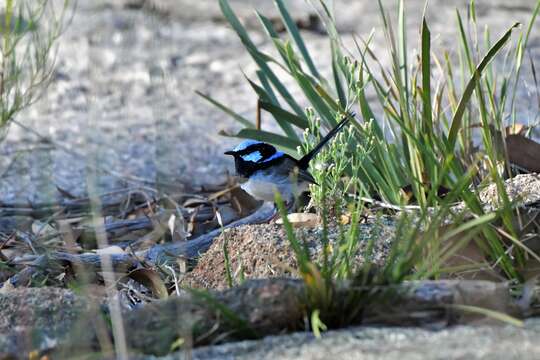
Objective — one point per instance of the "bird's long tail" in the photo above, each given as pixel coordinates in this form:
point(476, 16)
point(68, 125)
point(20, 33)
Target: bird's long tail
point(303, 163)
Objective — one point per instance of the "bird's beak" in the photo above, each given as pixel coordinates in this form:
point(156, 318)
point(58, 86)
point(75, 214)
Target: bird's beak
point(230, 152)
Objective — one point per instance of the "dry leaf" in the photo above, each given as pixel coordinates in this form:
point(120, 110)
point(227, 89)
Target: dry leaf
point(242, 202)
point(194, 202)
point(345, 219)
point(169, 221)
point(42, 228)
point(227, 215)
point(516, 129)
point(470, 256)
point(152, 280)
point(7, 287)
point(523, 152)
point(182, 265)
point(68, 234)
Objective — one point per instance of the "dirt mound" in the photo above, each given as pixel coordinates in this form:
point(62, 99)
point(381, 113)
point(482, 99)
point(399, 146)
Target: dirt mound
point(263, 251)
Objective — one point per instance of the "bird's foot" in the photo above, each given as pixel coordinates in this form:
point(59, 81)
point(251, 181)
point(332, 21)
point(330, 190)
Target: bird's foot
point(289, 206)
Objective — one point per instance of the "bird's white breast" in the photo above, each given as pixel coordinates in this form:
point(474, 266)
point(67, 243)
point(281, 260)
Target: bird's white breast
point(263, 186)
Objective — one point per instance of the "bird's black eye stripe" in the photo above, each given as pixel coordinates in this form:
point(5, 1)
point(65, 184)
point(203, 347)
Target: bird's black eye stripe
point(266, 150)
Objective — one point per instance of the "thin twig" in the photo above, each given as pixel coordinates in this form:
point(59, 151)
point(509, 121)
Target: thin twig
point(258, 119)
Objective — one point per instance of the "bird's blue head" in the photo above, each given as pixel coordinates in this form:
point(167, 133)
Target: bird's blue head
point(253, 155)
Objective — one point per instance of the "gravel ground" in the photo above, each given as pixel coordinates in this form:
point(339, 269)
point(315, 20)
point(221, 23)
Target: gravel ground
point(123, 94)
point(35, 318)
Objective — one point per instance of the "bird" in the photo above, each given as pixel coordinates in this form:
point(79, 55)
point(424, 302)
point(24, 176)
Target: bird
point(268, 170)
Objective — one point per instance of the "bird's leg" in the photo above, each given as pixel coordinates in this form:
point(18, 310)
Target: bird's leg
point(289, 205)
point(276, 215)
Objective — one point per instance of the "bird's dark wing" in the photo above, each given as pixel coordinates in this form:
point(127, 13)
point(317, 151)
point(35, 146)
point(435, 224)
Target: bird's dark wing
point(288, 167)
point(304, 175)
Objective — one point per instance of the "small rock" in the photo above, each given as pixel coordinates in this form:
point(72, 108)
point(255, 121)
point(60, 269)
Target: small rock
point(110, 250)
point(301, 220)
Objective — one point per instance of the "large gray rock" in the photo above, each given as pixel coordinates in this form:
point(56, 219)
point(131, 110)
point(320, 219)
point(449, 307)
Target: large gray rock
point(461, 342)
point(37, 319)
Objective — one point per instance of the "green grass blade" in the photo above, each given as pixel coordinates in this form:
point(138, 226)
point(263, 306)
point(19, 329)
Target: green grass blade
point(426, 78)
point(279, 140)
point(302, 255)
point(271, 32)
point(531, 22)
point(230, 316)
point(228, 270)
point(472, 11)
point(265, 97)
point(259, 58)
point(402, 38)
point(365, 108)
point(267, 25)
point(332, 103)
point(336, 58)
point(285, 115)
point(293, 31)
point(242, 120)
point(237, 25)
point(497, 315)
point(474, 80)
point(266, 85)
point(522, 46)
point(310, 90)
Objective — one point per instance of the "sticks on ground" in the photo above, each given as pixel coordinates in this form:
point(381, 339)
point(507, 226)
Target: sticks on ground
point(122, 263)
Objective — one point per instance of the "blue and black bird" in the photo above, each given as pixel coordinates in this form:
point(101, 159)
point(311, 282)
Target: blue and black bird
point(268, 170)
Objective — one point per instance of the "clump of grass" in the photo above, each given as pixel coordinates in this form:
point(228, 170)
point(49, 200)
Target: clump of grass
point(419, 250)
point(422, 138)
point(330, 168)
point(29, 30)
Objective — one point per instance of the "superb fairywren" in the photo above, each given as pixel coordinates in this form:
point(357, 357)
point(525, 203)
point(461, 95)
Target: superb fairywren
point(268, 170)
